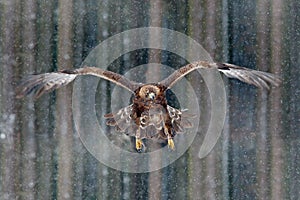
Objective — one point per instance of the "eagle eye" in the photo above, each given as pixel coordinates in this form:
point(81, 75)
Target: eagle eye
point(151, 95)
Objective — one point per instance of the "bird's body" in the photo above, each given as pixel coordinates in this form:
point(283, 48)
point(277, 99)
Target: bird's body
point(149, 115)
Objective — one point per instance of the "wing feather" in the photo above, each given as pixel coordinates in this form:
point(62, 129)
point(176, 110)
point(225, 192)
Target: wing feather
point(43, 83)
point(254, 77)
point(258, 78)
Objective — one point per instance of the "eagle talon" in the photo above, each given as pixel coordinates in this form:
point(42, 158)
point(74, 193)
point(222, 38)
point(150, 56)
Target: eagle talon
point(139, 145)
point(171, 144)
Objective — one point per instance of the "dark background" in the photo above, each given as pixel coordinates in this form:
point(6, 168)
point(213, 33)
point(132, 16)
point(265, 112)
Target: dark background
point(257, 156)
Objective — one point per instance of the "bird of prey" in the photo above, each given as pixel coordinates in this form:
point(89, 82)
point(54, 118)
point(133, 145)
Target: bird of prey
point(149, 115)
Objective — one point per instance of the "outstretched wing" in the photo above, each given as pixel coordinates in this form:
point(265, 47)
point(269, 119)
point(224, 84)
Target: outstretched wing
point(258, 78)
point(42, 83)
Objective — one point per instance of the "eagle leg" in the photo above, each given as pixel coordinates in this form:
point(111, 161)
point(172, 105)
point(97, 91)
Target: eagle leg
point(171, 144)
point(139, 145)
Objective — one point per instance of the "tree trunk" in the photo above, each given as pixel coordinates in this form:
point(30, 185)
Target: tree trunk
point(64, 125)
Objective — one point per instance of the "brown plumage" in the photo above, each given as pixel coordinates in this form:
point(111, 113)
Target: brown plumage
point(149, 115)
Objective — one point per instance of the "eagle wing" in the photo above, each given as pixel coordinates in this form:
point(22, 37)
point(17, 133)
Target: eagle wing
point(258, 78)
point(43, 83)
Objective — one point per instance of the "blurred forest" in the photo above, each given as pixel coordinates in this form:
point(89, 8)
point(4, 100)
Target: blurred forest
point(257, 156)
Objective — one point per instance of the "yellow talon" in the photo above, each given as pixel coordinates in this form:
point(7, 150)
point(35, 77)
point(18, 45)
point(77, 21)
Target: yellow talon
point(171, 144)
point(138, 144)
